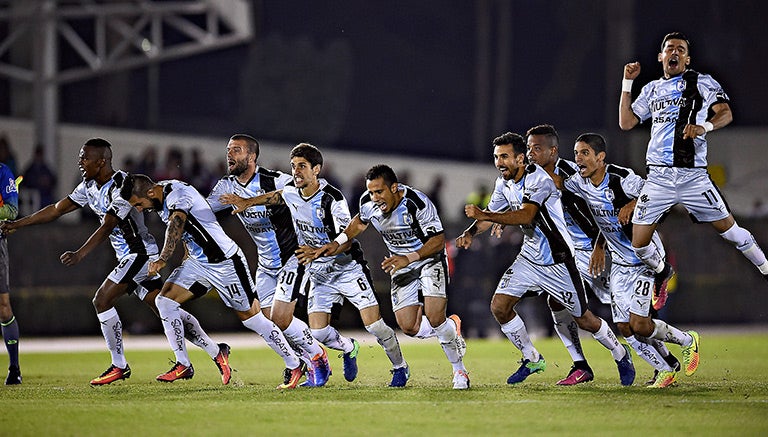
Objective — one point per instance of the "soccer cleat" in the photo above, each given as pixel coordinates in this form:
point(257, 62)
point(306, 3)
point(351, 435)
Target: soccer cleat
point(527, 368)
point(350, 362)
point(626, 368)
point(400, 376)
point(460, 343)
point(665, 378)
point(659, 296)
point(222, 362)
point(178, 371)
point(691, 355)
point(112, 374)
point(672, 361)
point(291, 377)
point(460, 380)
point(576, 376)
point(321, 369)
point(14, 376)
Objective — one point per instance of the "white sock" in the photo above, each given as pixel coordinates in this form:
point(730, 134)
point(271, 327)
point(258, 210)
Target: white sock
point(299, 334)
point(568, 331)
point(388, 340)
point(425, 329)
point(669, 334)
point(195, 334)
point(274, 338)
point(651, 256)
point(607, 338)
point(112, 329)
point(745, 242)
point(173, 327)
point(657, 344)
point(330, 337)
point(518, 335)
point(447, 335)
point(648, 353)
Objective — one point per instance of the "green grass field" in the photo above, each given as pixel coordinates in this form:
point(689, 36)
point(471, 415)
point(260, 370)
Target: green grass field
point(728, 395)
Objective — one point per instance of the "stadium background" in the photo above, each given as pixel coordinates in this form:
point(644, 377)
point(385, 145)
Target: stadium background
point(423, 86)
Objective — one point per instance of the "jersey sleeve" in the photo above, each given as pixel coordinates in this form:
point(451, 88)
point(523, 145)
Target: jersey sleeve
point(366, 211)
point(571, 184)
point(538, 187)
point(180, 199)
point(711, 90)
point(218, 190)
point(341, 215)
point(632, 184)
point(498, 201)
point(281, 180)
point(428, 219)
point(640, 106)
point(79, 195)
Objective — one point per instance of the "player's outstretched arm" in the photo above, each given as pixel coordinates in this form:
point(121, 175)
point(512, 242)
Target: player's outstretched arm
point(306, 254)
point(240, 204)
point(434, 244)
point(464, 240)
point(627, 118)
point(172, 237)
point(44, 215)
point(522, 216)
point(722, 116)
point(70, 258)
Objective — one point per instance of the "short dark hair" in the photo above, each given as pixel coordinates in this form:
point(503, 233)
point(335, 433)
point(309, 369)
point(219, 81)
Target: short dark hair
point(676, 35)
point(547, 130)
point(309, 152)
point(103, 145)
point(517, 142)
point(253, 145)
point(595, 141)
point(136, 185)
point(381, 171)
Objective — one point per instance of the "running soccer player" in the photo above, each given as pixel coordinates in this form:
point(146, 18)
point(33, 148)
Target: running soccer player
point(279, 276)
point(320, 213)
point(683, 106)
point(213, 261)
point(543, 149)
point(608, 188)
point(9, 209)
point(526, 195)
point(408, 222)
point(134, 247)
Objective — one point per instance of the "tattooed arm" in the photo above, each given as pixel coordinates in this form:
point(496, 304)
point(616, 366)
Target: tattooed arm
point(172, 237)
point(240, 204)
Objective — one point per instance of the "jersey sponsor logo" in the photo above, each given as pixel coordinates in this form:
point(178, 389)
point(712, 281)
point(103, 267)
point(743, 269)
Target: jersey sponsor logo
point(250, 213)
point(659, 105)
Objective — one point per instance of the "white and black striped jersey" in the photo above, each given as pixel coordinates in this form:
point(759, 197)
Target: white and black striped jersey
point(270, 227)
point(407, 227)
point(618, 188)
point(130, 235)
point(671, 104)
point(318, 220)
point(203, 236)
point(581, 225)
point(546, 241)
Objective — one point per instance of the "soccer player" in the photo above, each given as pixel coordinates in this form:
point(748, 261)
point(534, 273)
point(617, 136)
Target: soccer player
point(608, 188)
point(407, 220)
point(320, 213)
point(279, 276)
point(543, 150)
point(213, 261)
point(526, 195)
point(683, 106)
point(134, 247)
point(9, 208)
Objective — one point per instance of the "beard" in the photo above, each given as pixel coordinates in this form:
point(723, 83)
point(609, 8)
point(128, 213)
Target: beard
point(157, 205)
point(238, 169)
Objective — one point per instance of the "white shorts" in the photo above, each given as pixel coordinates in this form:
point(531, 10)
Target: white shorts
point(599, 285)
point(562, 281)
point(668, 186)
point(291, 281)
point(133, 270)
point(231, 278)
point(631, 289)
point(352, 282)
point(409, 288)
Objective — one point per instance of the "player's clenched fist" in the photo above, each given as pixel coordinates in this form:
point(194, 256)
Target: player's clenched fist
point(632, 70)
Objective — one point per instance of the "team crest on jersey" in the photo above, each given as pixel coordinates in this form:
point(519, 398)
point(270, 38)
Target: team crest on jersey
point(259, 192)
point(407, 218)
point(681, 85)
point(320, 213)
point(609, 194)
